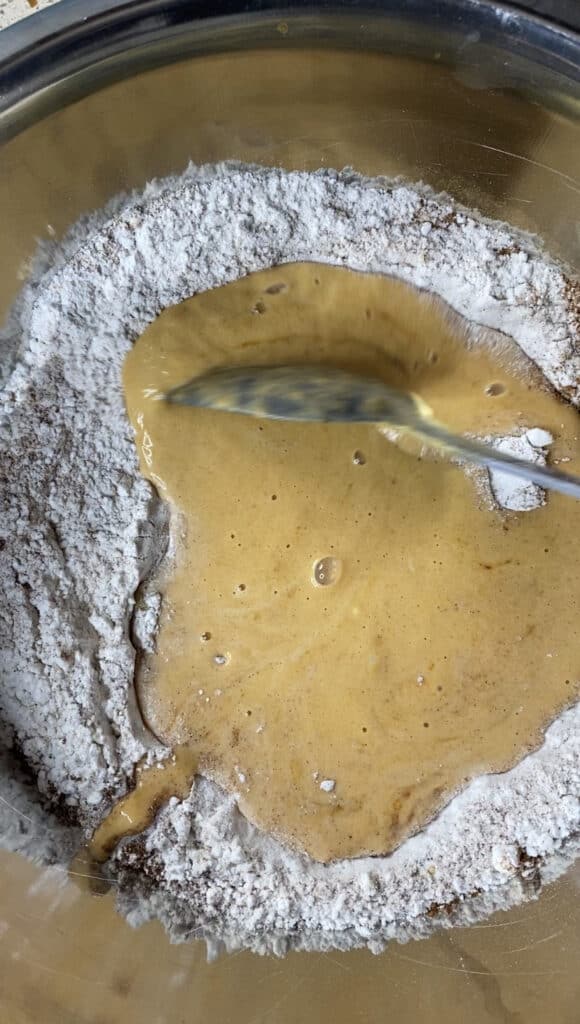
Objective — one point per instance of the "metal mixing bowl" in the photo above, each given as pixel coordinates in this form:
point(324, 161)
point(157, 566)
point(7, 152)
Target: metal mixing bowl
point(99, 97)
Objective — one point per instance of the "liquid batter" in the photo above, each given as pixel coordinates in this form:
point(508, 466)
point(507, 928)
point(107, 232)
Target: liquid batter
point(153, 786)
point(350, 632)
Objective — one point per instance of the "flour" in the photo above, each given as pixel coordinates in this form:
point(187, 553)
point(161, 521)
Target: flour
point(327, 785)
point(539, 438)
point(512, 492)
point(82, 532)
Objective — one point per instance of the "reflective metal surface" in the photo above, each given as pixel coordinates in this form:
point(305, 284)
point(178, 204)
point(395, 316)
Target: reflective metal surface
point(60, 55)
point(483, 102)
point(66, 958)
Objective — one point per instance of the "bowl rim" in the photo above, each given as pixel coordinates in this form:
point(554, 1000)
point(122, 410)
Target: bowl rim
point(64, 41)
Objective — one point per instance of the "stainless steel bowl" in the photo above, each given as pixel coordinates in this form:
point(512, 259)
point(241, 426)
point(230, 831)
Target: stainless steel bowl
point(98, 97)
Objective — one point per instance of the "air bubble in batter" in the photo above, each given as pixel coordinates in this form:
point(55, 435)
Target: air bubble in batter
point(327, 571)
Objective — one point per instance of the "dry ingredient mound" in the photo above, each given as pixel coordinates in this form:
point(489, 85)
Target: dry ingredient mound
point(81, 533)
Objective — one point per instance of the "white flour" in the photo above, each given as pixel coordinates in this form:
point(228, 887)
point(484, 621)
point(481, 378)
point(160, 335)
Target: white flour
point(511, 492)
point(80, 530)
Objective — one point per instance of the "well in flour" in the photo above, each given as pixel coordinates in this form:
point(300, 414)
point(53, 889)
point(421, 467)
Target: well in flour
point(81, 532)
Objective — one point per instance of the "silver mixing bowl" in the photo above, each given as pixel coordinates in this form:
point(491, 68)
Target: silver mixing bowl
point(98, 97)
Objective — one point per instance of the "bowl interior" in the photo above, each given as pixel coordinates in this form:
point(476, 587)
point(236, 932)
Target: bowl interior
point(494, 121)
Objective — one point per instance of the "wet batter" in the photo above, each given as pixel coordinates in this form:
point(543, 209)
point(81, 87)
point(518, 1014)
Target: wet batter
point(350, 632)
